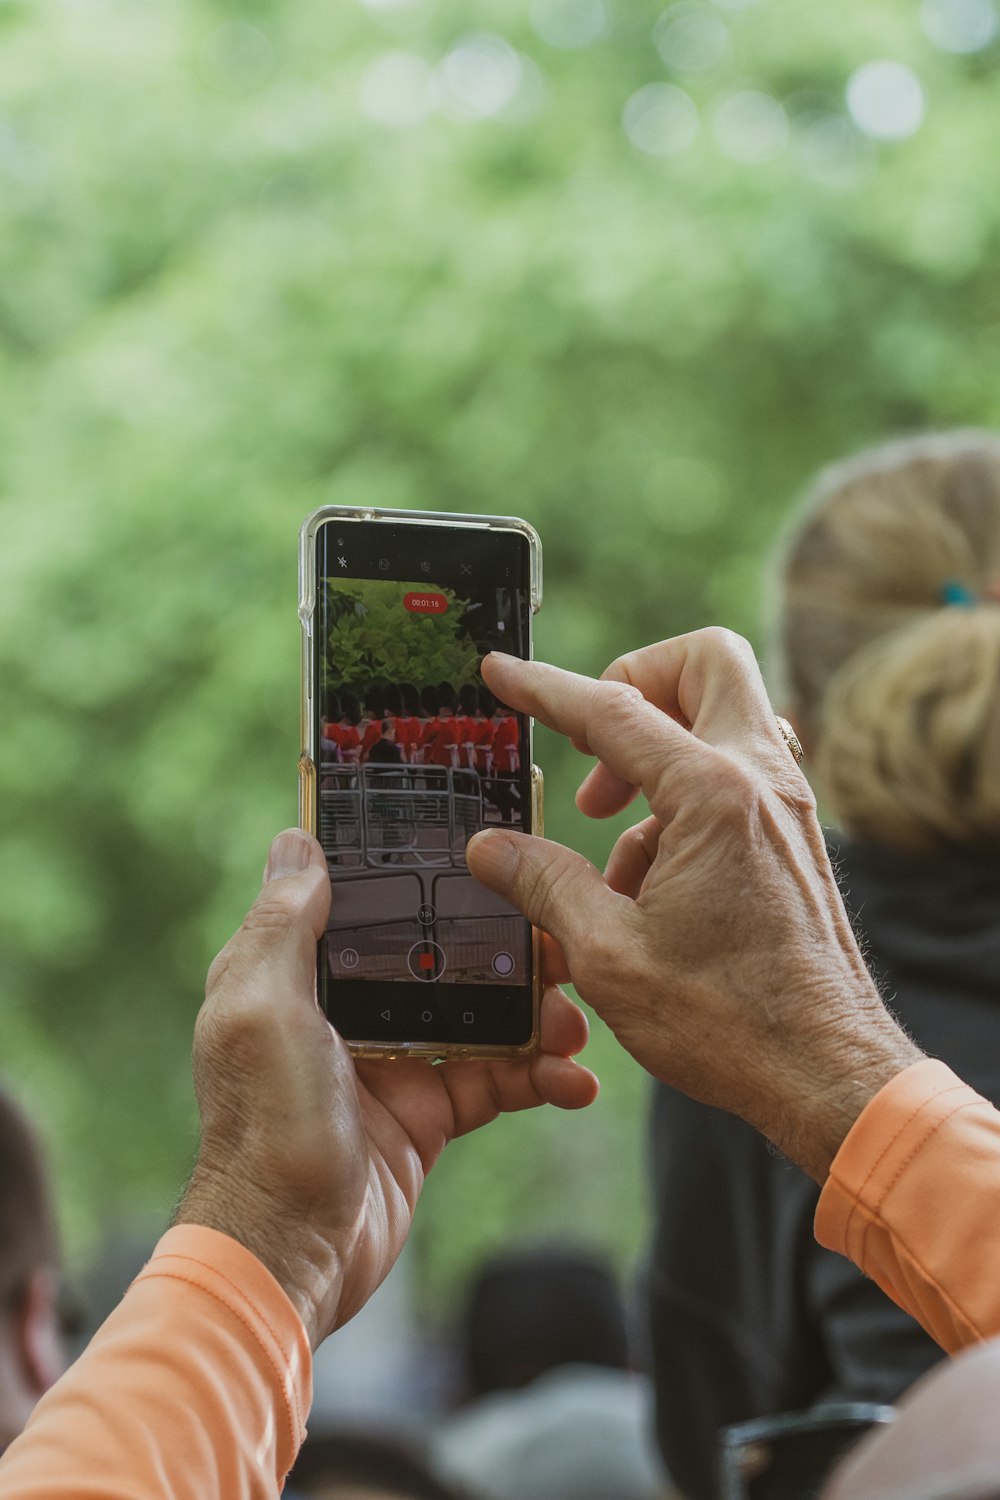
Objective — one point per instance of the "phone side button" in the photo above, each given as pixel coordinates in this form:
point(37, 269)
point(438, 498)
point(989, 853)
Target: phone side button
point(307, 793)
point(537, 801)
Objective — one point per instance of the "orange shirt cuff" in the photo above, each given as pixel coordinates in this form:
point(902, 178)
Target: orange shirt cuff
point(906, 1196)
point(224, 1269)
point(880, 1145)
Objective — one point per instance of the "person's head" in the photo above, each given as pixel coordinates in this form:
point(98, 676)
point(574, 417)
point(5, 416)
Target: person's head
point(374, 701)
point(487, 702)
point(331, 707)
point(468, 699)
point(350, 708)
point(888, 640)
point(411, 699)
point(447, 698)
point(531, 1311)
point(388, 731)
point(361, 1466)
point(31, 1354)
point(392, 700)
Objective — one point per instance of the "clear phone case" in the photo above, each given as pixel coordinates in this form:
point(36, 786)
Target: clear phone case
point(308, 809)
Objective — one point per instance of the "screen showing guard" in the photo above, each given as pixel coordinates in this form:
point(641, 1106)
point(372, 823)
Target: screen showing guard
point(414, 756)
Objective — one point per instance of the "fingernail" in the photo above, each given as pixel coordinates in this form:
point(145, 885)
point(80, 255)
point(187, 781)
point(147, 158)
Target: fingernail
point(499, 659)
point(288, 855)
point(495, 858)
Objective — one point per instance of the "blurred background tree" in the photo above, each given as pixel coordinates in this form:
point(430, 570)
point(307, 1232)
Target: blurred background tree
point(631, 271)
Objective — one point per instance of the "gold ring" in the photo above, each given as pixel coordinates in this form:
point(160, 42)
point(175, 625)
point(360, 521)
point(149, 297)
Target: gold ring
point(791, 739)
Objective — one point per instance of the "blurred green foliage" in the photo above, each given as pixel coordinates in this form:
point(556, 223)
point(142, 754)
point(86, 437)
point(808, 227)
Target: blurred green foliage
point(244, 271)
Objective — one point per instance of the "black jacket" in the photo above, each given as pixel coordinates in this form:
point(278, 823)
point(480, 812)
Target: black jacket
point(749, 1315)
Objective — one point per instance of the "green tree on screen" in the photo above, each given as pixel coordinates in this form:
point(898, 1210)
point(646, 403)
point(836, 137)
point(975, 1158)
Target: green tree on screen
point(376, 637)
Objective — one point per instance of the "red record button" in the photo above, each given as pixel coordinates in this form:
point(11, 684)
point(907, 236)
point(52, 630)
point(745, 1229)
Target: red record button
point(425, 604)
point(426, 961)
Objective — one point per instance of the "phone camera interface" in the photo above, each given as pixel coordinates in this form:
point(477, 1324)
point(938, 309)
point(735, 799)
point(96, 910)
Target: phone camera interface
point(416, 755)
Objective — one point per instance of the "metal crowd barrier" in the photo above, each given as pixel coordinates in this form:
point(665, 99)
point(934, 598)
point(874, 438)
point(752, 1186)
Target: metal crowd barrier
point(373, 816)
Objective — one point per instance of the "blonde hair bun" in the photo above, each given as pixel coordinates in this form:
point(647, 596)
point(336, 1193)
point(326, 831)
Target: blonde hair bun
point(898, 690)
point(909, 743)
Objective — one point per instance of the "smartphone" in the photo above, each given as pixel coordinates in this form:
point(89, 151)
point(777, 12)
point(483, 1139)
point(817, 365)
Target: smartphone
point(405, 755)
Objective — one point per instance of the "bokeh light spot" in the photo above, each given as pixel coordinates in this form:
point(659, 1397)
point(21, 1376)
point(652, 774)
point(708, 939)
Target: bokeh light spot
point(403, 17)
point(886, 100)
point(570, 23)
point(480, 77)
point(691, 38)
point(751, 126)
point(395, 90)
point(961, 26)
point(661, 120)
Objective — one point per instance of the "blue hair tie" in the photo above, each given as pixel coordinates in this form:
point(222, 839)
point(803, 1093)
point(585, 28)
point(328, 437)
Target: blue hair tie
point(958, 594)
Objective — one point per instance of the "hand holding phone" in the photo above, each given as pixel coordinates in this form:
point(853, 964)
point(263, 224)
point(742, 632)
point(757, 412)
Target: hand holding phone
point(321, 1190)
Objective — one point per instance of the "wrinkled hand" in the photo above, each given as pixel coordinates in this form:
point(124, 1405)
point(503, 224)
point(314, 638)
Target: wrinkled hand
point(715, 945)
point(314, 1162)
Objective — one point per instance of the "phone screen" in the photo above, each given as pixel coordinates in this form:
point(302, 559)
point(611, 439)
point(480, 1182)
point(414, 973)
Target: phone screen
point(414, 756)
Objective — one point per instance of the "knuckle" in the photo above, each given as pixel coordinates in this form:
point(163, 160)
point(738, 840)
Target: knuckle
point(736, 789)
point(797, 793)
point(621, 669)
point(272, 916)
point(727, 644)
point(736, 781)
point(546, 893)
point(617, 699)
point(231, 1028)
point(274, 910)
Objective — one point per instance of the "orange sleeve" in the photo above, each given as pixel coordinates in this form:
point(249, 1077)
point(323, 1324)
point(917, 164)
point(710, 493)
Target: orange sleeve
point(913, 1198)
point(196, 1388)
